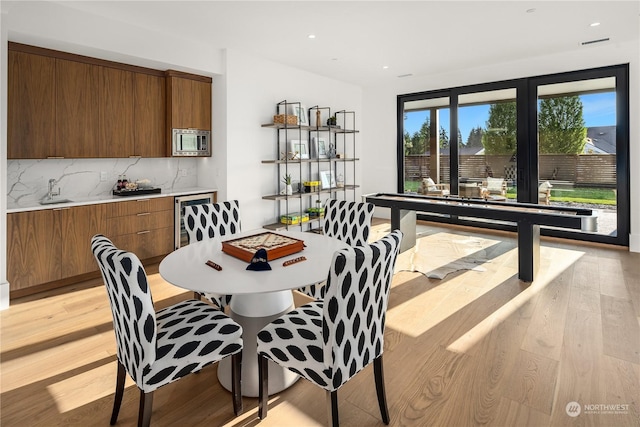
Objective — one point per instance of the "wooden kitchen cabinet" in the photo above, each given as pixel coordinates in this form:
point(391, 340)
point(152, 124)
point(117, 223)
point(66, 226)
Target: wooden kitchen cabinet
point(79, 224)
point(116, 113)
point(188, 101)
point(71, 106)
point(144, 227)
point(47, 246)
point(51, 248)
point(33, 248)
point(77, 109)
point(31, 127)
point(150, 115)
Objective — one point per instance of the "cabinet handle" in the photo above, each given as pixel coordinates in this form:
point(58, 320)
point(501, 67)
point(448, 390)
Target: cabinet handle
point(144, 213)
point(55, 157)
point(144, 232)
point(61, 209)
point(135, 156)
point(142, 200)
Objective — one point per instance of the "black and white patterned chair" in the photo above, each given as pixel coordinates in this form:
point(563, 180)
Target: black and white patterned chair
point(157, 348)
point(347, 221)
point(208, 221)
point(328, 342)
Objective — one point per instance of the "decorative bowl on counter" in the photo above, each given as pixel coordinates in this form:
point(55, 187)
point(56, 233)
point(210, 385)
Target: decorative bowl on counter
point(143, 183)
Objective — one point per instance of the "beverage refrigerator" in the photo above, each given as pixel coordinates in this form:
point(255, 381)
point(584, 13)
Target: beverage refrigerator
point(181, 238)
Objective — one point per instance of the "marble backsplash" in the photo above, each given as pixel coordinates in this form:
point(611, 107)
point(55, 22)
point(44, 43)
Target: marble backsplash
point(27, 180)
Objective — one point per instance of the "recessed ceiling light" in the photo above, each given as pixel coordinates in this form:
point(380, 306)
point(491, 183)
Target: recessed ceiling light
point(385, 67)
point(594, 24)
point(311, 36)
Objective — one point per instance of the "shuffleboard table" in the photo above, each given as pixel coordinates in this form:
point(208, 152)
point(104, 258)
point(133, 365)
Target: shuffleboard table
point(528, 217)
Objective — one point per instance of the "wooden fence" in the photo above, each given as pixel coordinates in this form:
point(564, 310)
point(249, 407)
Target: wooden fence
point(595, 170)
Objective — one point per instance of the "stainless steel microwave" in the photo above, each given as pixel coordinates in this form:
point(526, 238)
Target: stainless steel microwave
point(191, 142)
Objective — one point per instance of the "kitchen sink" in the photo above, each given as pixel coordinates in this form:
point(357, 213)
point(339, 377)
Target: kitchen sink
point(54, 201)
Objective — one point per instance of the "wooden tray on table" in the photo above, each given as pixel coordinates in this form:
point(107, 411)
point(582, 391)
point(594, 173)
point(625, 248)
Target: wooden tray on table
point(276, 245)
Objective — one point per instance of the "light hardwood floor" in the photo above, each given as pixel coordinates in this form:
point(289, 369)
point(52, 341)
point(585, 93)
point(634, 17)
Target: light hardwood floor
point(475, 348)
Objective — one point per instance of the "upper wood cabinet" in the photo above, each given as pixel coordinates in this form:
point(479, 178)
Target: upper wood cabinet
point(77, 109)
point(31, 116)
point(116, 113)
point(150, 115)
point(66, 105)
point(188, 101)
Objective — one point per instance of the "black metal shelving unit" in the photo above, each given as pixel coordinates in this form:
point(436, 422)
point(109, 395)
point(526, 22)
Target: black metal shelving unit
point(336, 142)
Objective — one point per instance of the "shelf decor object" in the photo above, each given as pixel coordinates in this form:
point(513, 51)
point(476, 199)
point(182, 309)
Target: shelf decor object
point(301, 147)
point(300, 111)
point(288, 119)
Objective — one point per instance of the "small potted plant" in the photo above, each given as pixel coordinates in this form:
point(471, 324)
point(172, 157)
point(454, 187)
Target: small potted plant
point(286, 179)
point(331, 121)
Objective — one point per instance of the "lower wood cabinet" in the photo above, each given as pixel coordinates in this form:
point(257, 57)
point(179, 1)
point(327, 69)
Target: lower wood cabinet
point(52, 247)
point(78, 225)
point(144, 227)
point(33, 248)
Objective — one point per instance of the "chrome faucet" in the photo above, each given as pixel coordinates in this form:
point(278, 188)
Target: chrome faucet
point(50, 193)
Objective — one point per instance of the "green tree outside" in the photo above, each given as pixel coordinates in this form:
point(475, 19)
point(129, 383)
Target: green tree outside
point(475, 137)
point(499, 136)
point(444, 138)
point(418, 143)
point(561, 126)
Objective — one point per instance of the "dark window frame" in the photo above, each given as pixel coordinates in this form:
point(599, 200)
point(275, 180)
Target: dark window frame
point(527, 154)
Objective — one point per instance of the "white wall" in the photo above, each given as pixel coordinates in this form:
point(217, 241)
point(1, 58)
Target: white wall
point(254, 87)
point(379, 103)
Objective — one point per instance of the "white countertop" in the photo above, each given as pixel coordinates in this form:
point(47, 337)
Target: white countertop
point(82, 201)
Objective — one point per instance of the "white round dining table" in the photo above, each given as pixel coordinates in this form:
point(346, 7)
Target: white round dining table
point(259, 297)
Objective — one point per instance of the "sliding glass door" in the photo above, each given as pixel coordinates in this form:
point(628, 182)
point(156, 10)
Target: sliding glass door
point(559, 139)
point(487, 147)
point(578, 155)
point(426, 145)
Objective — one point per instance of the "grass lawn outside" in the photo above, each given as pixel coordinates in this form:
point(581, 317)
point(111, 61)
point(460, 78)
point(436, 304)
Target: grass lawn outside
point(588, 195)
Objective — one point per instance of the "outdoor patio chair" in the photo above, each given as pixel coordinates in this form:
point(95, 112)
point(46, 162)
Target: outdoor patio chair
point(544, 193)
point(430, 188)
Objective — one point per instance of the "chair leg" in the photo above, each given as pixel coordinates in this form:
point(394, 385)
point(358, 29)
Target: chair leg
point(332, 408)
point(378, 373)
point(117, 400)
point(197, 295)
point(144, 414)
point(236, 380)
point(263, 383)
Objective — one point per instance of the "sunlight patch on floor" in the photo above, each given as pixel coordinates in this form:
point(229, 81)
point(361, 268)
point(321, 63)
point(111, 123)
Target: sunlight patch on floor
point(86, 387)
point(426, 310)
point(562, 259)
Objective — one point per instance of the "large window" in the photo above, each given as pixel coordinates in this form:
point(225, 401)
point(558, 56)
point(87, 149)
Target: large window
point(554, 140)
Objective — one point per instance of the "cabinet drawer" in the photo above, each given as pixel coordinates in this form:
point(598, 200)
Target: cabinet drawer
point(137, 206)
point(139, 222)
point(147, 244)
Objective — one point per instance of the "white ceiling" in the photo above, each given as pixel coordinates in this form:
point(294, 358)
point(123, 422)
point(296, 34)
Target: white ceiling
point(355, 39)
